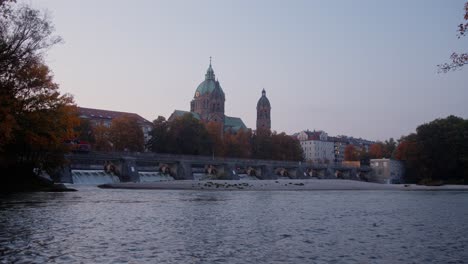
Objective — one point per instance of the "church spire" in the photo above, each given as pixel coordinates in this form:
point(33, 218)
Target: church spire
point(210, 73)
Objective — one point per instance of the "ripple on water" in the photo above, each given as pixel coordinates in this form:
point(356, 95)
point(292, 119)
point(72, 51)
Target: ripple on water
point(121, 226)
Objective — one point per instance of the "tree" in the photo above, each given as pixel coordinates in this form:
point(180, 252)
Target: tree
point(376, 151)
point(158, 141)
point(101, 138)
point(84, 131)
point(389, 148)
point(126, 134)
point(34, 117)
point(409, 151)
point(437, 152)
point(187, 135)
point(268, 145)
point(286, 148)
point(350, 153)
point(244, 139)
point(458, 60)
point(262, 147)
point(215, 131)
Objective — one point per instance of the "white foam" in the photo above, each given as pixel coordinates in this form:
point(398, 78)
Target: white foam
point(93, 177)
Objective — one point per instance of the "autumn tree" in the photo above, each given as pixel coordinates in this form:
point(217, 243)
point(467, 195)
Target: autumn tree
point(101, 138)
point(270, 145)
point(376, 151)
point(215, 132)
point(351, 153)
point(126, 134)
point(243, 139)
point(286, 148)
point(458, 60)
point(34, 117)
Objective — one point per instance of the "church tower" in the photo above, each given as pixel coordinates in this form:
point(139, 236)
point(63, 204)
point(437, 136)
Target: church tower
point(208, 101)
point(263, 113)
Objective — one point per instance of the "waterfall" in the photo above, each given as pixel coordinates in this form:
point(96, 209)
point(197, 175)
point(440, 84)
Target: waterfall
point(154, 176)
point(93, 177)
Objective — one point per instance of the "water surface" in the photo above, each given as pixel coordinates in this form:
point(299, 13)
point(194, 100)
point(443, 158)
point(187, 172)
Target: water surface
point(138, 226)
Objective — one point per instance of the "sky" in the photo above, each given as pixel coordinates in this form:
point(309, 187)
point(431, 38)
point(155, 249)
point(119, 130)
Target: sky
point(364, 68)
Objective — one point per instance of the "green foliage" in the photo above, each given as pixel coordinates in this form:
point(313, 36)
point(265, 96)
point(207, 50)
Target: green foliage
point(158, 141)
point(437, 152)
point(184, 135)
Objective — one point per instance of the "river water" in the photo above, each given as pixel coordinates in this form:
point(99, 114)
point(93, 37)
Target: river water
point(163, 226)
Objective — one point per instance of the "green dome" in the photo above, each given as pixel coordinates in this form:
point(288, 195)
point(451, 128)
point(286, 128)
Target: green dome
point(209, 84)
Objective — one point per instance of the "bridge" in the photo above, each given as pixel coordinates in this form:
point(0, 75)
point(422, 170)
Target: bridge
point(129, 167)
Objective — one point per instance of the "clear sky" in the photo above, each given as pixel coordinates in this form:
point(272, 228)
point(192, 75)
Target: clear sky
point(364, 68)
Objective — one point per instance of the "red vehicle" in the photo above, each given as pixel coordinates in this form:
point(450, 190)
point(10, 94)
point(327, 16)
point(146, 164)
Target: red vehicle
point(77, 145)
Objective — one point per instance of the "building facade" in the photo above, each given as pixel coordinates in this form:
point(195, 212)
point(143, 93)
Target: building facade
point(339, 145)
point(387, 170)
point(208, 105)
point(316, 146)
point(105, 117)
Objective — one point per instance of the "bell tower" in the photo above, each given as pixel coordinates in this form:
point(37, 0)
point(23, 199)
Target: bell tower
point(263, 113)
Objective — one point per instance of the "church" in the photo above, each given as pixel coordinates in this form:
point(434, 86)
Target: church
point(208, 106)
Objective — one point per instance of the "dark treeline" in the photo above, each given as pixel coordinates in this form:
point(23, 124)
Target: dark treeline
point(187, 135)
point(437, 152)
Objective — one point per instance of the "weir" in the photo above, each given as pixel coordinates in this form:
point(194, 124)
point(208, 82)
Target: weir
point(93, 177)
point(89, 168)
point(154, 176)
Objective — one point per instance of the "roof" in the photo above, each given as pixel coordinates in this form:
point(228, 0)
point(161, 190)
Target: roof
point(93, 113)
point(209, 84)
point(263, 101)
point(234, 123)
point(313, 135)
point(180, 113)
point(337, 139)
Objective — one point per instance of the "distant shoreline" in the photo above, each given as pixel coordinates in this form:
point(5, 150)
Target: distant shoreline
point(279, 185)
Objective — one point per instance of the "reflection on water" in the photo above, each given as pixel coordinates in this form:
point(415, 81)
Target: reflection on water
point(94, 226)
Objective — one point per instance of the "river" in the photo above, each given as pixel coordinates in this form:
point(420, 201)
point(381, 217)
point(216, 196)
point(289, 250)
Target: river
point(150, 226)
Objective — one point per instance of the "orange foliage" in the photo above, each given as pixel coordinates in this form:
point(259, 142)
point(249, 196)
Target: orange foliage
point(350, 153)
point(126, 134)
point(376, 151)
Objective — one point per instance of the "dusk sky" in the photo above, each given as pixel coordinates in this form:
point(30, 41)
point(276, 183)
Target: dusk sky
point(359, 68)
